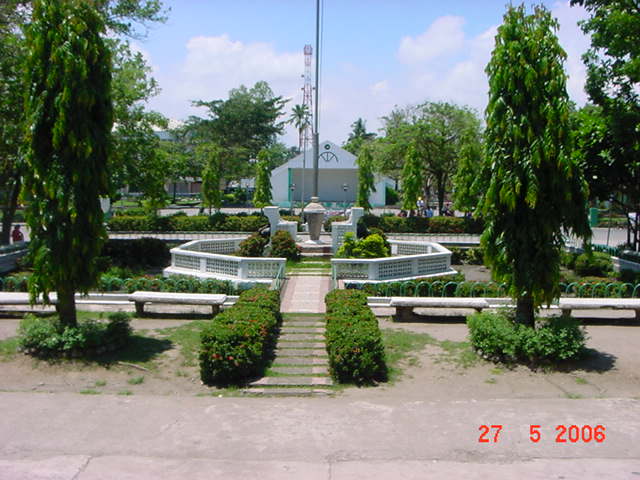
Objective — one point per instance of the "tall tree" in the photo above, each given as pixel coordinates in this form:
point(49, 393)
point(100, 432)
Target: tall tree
point(211, 193)
point(301, 119)
point(466, 185)
point(411, 179)
point(535, 189)
point(613, 85)
point(366, 178)
point(358, 137)
point(262, 195)
point(247, 122)
point(69, 117)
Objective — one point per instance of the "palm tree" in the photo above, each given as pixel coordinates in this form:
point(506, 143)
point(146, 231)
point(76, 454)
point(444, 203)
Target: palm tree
point(301, 119)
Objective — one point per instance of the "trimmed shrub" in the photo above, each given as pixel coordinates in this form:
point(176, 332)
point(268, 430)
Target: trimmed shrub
point(497, 337)
point(238, 343)
point(45, 338)
point(252, 246)
point(354, 342)
point(446, 225)
point(373, 246)
point(137, 254)
point(283, 246)
point(595, 264)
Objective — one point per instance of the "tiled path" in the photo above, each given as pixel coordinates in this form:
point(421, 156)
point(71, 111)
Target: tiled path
point(305, 294)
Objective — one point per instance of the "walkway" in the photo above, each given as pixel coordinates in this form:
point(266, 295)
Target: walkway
point(305, 294)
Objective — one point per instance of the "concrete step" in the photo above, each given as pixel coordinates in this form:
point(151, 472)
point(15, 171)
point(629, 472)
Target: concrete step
point(292, 345)
point(285, 360)
point(301, 324)
point(287, 392)
point(283, 352)
point(301, 337)
point(297, 330)
point(295, 381)
point(310, 370)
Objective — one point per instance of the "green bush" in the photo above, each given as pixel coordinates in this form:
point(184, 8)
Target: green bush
point(252, 246)
point(568, 259)
point(330, 220)
point(354, 342)
point(283, 246)
point(497, 337)
point(373, 246)
point(473, 256)
point(137, 254)
point(236, 345)
point(596, 264)
point(446, 225)
point(46, 338)
point(181, 223)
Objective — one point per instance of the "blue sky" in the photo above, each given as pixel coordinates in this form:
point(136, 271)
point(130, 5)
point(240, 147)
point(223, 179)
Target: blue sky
point(376, 54)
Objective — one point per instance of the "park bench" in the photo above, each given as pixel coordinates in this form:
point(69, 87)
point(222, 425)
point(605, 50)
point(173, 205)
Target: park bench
point(142, 297)
point(404, 305)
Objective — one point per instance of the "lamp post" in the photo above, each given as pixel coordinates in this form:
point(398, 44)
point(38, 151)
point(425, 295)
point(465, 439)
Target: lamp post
point(345, 188)
point(315, 211)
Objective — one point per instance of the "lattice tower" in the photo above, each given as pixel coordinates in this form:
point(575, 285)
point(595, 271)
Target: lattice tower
point(307, 97)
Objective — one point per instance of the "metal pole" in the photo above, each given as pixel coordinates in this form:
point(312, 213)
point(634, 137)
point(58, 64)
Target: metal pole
point(315, 117)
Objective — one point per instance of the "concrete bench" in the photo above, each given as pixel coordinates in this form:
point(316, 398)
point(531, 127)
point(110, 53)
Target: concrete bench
point(404, 305)
point(142, 297)
point(568, 304)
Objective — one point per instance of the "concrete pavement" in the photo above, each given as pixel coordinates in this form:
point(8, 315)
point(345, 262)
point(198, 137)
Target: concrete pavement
point(71, 436)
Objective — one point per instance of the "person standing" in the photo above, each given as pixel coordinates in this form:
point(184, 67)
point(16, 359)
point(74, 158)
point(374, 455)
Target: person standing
point(17, 235)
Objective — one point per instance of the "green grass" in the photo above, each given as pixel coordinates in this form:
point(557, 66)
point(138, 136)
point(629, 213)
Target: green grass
point(491, 381)
point(187, 337)
point(89, 391)
point(8, 348)
point(573, 396)
point(581, 381)
point(125, 392)
point(100, 383)
point(459, 353)
point(399, 346)
point(136, 380)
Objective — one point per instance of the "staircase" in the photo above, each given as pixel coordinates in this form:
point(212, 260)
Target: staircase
point(300, 367)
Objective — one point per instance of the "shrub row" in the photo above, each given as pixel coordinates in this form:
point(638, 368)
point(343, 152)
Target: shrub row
point(237, 344)
point(393, 223)
point(354, 342)
point(112, 283)
point(138, 253)
point(497, 337)
point(46, 338)
point(181, 223)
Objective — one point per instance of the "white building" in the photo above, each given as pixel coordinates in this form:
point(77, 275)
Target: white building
point(337, 178)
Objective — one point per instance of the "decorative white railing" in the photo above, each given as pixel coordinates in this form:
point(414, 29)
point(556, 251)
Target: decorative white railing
point(207, 258)
point(432, 259)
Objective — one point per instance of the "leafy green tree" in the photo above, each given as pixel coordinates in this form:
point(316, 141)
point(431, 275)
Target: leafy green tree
point(358, 137)
point(535, 190)
point(411, 179)
point(69, 117)
point(245, 123)
point(613, 85)
point(211, 193)
point(262, 195)
point(12, 54)
point(366, 178)
point(467, 189)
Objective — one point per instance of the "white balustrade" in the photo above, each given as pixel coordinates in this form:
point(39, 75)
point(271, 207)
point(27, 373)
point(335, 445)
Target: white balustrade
point(208, 259)
point(433, 260)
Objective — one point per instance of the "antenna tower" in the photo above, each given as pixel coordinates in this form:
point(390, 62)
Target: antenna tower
point(307, 97)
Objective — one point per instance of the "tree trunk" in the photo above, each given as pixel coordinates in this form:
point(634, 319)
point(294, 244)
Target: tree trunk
point(441, 192)
point(66, 307)
point(9, 211)
point(524, 311)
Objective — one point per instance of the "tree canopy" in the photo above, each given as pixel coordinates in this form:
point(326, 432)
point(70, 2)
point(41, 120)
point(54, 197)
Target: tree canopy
point(613, 85)
point(358, 137)
point(534, 189)
point(69, 117)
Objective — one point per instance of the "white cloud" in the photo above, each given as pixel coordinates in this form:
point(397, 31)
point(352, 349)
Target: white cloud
point(379, 88)
point(443, 36)
point(214, 65)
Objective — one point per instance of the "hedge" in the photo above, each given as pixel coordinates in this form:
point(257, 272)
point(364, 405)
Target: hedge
point(238, 343)
point(180, 223)
point(354, 342)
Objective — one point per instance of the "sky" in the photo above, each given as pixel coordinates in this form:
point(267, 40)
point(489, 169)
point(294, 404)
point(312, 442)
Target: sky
point(375, 54)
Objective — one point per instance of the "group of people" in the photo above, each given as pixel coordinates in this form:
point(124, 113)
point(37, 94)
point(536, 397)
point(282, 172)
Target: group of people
point(424, 210)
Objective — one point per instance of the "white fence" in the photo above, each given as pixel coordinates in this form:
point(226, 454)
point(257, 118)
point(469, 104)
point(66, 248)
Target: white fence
point(413, 260)
point(208, 259)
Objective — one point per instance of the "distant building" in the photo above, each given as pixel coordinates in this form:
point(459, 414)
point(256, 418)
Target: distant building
point(337, 178)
